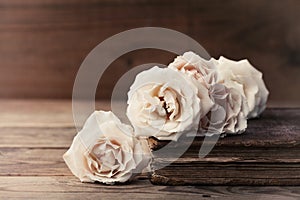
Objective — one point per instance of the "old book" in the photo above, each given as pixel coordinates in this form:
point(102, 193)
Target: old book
point(268, 153)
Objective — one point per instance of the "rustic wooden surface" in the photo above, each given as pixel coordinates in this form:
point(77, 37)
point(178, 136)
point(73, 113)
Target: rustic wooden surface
point(268, 153)
point(43, 43)
point(35, 134)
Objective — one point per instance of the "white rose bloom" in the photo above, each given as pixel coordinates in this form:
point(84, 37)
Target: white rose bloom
point(163, 103)
point(229, 113)
point(202, 73)
point(242, 76)
point(105, 150)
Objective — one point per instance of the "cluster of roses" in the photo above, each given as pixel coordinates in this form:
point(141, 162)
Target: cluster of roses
point(192, 94)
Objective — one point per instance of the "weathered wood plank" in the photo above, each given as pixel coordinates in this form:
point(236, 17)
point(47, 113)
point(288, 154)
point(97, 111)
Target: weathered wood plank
point(267, 154)
point(25, 128)
point(230, 173)
point(70, 188)
point(48, 161)
point(49, 50)
point(40, 113)
point(36, 137)
point(35, 134)
point(44, 43)
point(276, 127)
point(32, 162)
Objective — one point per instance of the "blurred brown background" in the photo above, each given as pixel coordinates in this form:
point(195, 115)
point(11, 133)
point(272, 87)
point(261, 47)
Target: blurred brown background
point(43, 42)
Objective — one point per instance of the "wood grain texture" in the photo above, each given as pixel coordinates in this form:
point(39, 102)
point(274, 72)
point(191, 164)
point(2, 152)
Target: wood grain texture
point(31, 164)
point(69, 188)
point(276, 127)
point(36, 137)
point(267, 154)
point(43, 43)
point(41, 113)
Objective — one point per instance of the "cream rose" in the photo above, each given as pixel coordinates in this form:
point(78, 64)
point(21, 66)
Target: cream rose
point(229, 113)
point(204, 71)
point(242, 76)
point(163, 103)
point(105, 150)
point(201, 72)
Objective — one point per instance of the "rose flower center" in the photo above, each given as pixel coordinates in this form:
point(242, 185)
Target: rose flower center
point(104, 158)
point(169, 103)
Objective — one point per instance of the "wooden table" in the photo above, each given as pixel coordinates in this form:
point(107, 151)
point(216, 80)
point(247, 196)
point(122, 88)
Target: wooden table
point(34, 134)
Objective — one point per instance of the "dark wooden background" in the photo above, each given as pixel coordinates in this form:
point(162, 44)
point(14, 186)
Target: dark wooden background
point(42, 43)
